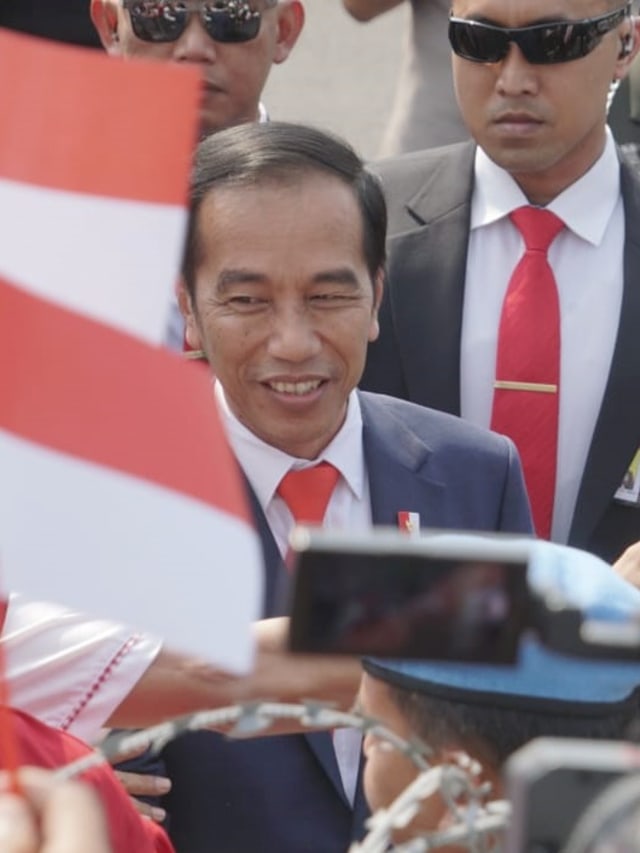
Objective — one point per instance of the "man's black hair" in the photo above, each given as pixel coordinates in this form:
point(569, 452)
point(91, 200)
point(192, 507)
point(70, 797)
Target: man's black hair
point(279, 152)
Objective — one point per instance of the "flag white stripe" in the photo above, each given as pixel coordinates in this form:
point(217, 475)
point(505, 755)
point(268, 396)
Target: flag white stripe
point(116, 261)
point(66, 524)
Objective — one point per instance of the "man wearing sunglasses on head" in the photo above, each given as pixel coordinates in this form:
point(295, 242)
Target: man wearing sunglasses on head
point(514, 262)
point(234, 41)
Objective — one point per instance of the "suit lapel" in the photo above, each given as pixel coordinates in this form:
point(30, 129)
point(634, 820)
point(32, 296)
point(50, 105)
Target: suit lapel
point(617, 435)
point(427, 271)
point(276, 600)
point(396, 466)
point(276, 576)
point(395, 460)
point(322, 747)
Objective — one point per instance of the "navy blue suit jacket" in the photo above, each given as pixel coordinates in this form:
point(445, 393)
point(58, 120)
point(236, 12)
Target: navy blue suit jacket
point(284, 794)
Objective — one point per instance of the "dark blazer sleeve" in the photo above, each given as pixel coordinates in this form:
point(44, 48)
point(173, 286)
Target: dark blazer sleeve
point(399, 176)
point(383, 371)
point(417, 355)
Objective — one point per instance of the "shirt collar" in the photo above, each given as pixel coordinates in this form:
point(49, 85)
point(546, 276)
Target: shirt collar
point(496, 195)
point(265, 465)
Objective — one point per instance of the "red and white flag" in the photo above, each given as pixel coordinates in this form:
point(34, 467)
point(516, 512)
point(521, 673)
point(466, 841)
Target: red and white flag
point(119, 495)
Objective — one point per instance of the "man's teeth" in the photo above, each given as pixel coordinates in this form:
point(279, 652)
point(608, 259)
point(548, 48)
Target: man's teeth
point(295, 387)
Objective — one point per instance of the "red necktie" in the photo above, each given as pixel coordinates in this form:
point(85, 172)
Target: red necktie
point(527, 386)
point(307, 492)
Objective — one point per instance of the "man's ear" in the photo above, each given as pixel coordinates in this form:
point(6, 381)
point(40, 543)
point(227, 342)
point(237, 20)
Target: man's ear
point(104, 14)
point(630, 45)
point(290, 22)
point(378, 290)
point(191, 330)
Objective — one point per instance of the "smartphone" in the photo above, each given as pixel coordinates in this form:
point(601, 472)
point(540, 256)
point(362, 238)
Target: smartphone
point(440, 596)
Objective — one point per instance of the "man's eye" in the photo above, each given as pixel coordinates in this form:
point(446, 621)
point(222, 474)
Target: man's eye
point(330, 297)
point(245, 301)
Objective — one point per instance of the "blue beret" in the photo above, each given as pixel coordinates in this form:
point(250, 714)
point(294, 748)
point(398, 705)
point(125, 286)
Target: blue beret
point(541, 678)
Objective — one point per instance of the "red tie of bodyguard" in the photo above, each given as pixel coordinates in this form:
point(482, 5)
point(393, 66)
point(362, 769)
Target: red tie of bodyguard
point(527, 386)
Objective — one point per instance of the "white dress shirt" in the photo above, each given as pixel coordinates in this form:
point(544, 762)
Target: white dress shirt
point(587, 260)
point(349, 507)
point(264, 466)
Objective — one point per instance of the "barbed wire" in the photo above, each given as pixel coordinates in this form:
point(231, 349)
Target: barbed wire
point(476, 822)
point(474, 819)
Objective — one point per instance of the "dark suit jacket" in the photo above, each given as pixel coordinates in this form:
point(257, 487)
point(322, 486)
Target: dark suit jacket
point(624, 115)
point(418, 354)
point(283, 794)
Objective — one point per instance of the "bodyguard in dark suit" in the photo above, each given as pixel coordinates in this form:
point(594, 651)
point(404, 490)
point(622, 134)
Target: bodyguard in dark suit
point(282, 282)
point(541, 141)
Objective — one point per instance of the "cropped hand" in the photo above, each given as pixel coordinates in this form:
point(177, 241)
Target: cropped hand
point(50, 816)
point(628, 565)
point(142, 785)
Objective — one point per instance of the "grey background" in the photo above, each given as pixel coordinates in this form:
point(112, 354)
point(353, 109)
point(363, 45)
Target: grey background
point(341, 74)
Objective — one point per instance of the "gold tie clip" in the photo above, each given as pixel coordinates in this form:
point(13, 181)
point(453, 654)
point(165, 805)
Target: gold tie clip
point(540, 387)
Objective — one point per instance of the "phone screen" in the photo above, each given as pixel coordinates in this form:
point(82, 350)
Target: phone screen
point(408, 605)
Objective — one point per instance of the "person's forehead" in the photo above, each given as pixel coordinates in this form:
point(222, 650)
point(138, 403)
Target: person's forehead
point(316, 195)
point(521, 12)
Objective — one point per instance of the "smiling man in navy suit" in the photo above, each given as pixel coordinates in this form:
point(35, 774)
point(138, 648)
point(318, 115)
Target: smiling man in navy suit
point(283, 277)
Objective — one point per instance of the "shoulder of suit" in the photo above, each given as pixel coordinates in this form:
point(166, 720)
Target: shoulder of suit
point(412, 182)
point(630, 176)
point(401, 171)
point(431, 424)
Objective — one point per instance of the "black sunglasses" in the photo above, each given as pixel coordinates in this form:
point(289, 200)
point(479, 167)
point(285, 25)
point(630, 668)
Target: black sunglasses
point(541, 44)
point(224, 20)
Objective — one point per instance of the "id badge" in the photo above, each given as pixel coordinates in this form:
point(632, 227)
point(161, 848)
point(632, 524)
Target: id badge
point(629, 491)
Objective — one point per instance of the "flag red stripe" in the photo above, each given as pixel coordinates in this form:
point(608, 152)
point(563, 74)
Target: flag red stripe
point(88, 390)
point(106, 106)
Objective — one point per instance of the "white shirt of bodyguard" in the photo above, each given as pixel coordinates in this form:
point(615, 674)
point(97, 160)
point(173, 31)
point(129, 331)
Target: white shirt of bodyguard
point(349, 507)
point(587, 260)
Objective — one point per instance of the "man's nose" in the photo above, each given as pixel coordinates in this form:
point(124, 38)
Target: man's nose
point(195, 44)
point(516, 76)
point(293, 336)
